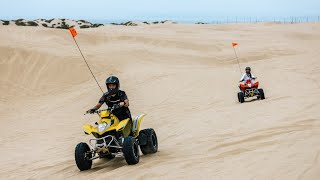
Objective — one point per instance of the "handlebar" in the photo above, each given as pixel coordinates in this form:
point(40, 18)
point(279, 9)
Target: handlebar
point(110, 109)
point(250, 79)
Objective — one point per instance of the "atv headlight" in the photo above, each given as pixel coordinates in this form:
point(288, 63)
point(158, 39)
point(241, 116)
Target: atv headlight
point(102, 127)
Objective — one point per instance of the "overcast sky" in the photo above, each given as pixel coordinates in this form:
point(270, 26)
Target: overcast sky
point(148, 9)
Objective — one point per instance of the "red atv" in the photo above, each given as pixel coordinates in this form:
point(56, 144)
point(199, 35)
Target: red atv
point(249, 90)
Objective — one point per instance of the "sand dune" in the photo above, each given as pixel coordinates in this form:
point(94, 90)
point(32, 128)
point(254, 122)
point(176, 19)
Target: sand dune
point(50, 23)
point(185, 78)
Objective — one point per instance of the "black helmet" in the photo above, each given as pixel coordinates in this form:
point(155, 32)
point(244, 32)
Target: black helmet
point(248, 68)
point(113, 80)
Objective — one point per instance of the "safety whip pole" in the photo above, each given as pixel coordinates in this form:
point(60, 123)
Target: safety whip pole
point(233, 45)
point(74, 33)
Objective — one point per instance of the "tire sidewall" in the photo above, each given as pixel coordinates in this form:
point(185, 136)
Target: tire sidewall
point(152, 141)
point(241, 97)
point(80, 156)
point(261, 92)
point(131, 150)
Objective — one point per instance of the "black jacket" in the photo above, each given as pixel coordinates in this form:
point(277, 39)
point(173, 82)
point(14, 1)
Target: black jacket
point(121, 113)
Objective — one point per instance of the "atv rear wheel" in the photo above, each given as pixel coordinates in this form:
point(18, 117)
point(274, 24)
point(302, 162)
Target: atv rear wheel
point(82, 156)
point(241, 97)
point(151, 145)
point(261, 94)
point(131, 150)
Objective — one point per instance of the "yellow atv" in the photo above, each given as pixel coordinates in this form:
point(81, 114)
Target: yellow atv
point(115, 138)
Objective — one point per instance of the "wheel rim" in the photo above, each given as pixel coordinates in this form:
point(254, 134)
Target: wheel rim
point(154, 140)
point(87, 156)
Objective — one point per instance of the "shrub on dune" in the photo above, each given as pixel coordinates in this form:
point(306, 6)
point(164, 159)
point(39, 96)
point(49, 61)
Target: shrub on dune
point(49, 21)
point(5, 22)
point(84, 26)
point(96, 25)
point(129, 23)
point(63, 25)
point(60, 24)
point(84, 21)
point(32, 23)
point(19, 23)
point(201, 23)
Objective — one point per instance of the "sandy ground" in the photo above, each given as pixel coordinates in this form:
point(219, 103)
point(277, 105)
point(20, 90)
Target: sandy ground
point(185, 78)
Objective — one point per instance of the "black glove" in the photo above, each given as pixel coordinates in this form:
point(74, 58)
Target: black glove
point(91, 111)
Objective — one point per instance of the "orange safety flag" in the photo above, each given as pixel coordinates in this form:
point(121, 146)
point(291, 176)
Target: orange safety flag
point(234, 44)
point(73, 32)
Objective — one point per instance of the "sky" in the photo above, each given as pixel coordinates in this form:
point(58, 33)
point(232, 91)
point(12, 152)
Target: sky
point(152, 9)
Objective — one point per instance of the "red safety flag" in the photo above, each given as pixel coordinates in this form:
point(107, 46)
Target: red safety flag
point(73, 32)
point(234, 44)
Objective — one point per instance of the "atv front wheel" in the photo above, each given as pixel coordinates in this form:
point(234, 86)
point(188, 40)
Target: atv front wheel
point(82, 156)
point(131, 150)
point(241, 97)
point(151, 145)
point(261, 94)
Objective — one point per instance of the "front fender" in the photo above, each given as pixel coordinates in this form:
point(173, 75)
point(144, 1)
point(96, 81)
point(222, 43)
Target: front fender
point(136, 124)
point(88, 129)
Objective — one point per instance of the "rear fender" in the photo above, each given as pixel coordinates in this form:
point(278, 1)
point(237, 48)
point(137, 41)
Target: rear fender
point(122, 124)
point(136, 124)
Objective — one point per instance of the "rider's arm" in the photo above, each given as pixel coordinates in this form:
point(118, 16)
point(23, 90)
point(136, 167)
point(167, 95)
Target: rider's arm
point(125, 103)
point(242, 78)
point(96, 107)
point(100, 103)
point(124, 99)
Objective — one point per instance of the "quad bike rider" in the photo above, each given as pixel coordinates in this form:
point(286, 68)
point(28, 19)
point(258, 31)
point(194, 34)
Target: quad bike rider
point(116, 132)
point(249, 88)
point(114, 98)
